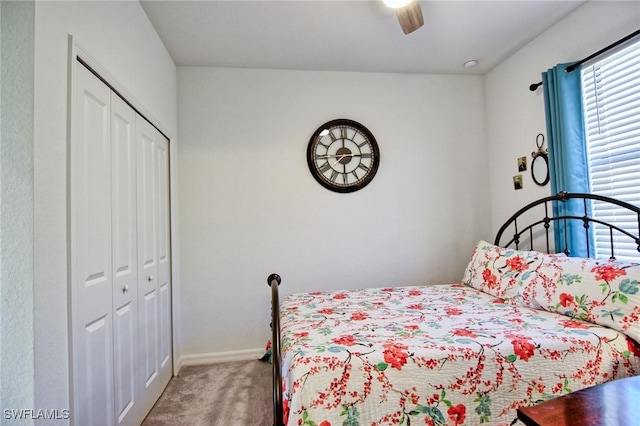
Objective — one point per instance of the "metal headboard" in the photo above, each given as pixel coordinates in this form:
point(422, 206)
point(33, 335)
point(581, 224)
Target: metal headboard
point(545, 223)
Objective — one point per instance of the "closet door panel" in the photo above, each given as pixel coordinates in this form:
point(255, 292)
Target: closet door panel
point(164, 257)
point(125, 270)
point(96, 380)
point(147, 215)
point(125, 350)
point(91, 276)
point(149, 352)
point(148, 297)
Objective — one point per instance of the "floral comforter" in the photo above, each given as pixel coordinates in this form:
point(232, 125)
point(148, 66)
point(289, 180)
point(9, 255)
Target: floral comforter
point(435, 355)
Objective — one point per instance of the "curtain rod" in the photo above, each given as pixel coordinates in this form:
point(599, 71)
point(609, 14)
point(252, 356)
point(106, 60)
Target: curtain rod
point(573, 66)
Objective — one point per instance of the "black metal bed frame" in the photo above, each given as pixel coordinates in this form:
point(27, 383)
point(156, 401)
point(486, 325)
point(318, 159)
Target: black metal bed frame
point(586, 220)
point(274, 280)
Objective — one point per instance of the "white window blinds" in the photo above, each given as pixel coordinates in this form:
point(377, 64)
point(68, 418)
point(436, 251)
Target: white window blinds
point(611, 90)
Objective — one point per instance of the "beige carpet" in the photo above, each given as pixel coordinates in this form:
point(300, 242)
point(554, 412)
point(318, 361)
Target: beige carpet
point(231, 393)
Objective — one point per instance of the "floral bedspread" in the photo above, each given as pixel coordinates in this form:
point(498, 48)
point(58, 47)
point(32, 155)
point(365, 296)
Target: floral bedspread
point(435, 355)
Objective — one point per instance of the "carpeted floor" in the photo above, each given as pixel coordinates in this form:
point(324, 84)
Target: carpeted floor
point(224, 394)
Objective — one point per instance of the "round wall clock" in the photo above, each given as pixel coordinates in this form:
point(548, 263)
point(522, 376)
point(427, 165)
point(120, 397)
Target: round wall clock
point(343, 155)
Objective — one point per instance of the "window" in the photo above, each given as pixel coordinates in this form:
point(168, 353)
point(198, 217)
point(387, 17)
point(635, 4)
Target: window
point(611, 91)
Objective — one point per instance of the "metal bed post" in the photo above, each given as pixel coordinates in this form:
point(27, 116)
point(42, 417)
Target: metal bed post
point(547, 221)
point(274, 282)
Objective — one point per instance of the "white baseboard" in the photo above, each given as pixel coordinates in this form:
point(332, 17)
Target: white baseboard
point(216, 357)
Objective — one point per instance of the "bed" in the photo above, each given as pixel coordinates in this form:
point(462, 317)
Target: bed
point(524, 325)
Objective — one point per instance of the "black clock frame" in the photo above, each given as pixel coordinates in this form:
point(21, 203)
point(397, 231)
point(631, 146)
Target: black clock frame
point(317, 174)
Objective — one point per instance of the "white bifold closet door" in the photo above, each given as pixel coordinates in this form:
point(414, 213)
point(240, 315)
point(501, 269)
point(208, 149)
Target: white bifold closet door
point(125, 261)
point(154, 262)
point(120, 258)
point(92, 272)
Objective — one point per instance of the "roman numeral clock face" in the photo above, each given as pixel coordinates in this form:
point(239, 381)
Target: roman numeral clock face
point(343, 155)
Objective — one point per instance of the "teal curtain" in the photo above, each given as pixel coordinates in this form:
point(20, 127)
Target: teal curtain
point(568, 169)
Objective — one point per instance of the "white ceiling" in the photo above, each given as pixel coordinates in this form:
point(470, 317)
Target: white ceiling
point(349, 35)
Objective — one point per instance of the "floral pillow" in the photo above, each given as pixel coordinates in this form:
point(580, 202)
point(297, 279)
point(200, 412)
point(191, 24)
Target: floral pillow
point(502, 271)
point(601, 292)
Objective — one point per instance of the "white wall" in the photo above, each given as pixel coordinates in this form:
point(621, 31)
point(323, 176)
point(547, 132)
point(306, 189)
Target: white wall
point(249, 205)
point(120, 37)
point(16, 208)
point(515, 115)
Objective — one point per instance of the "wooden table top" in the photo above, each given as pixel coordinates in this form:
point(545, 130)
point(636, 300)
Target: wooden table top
point(615, 403)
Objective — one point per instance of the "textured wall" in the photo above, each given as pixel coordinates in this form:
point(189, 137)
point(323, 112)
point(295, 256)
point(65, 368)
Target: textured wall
point(16, 208)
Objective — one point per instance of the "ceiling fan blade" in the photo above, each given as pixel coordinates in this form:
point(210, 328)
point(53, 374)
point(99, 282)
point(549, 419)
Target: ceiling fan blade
point(410, 17)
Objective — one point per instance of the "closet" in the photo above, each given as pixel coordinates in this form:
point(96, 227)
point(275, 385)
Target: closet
point(120, 260)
